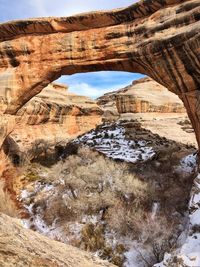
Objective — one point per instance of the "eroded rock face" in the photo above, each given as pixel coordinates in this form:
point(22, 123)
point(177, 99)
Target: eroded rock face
point(144, 95)
point(6, 127)
point(7, 124)
point(56, 105)
point(157, 38)
point(48, 121)
point(22, 247)
point(108, 104)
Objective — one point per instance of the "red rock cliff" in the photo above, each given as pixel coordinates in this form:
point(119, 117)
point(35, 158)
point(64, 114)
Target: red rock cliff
point(142, 96)
point(158, 38)
point(146, 95)
point(49, 120)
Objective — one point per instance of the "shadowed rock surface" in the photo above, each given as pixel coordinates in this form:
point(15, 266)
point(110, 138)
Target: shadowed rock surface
point(21, 247)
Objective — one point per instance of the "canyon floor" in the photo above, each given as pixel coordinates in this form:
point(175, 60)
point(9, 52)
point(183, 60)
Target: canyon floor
point(174, 126)
point(116, 189)
point(115, 185)
point(110, 182)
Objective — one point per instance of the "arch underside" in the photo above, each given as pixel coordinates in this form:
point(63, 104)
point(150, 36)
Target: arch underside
point(158, 38)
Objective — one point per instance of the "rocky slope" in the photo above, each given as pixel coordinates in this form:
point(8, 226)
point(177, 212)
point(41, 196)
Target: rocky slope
point(144, 95)
point(48, 121)
point(159, 123)
point(22, 248)
point(160, 39)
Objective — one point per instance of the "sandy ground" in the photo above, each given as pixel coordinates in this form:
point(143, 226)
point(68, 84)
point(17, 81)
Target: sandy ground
point(173, 126)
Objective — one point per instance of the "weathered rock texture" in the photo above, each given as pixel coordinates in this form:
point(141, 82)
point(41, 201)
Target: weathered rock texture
point(157, 38)
point(108, 104)
point(57, 106)
point(7, 124)
point(48, 121)
point(144, 95)
point(20, 247)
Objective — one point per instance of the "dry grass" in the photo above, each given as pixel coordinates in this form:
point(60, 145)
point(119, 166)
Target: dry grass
point(89, 184)
point(3, 163)
point(7, 206)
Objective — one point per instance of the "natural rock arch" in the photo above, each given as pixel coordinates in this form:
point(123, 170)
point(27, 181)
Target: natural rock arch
point(157, 38)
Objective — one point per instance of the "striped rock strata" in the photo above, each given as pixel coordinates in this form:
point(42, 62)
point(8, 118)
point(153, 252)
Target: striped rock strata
point(48, 121)
point(146, 95)
point(158, 38)
point(142, 96)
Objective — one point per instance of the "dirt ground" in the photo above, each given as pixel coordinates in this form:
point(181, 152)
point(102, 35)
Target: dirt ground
point(174, 126)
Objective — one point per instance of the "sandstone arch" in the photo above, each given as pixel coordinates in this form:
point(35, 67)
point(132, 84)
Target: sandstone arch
point(157, 38)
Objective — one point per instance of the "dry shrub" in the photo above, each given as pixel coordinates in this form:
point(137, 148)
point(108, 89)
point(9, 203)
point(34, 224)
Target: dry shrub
point(92, 183)
point(57, 209)
point(7, 206)
point(158, 236)
point(3, 163)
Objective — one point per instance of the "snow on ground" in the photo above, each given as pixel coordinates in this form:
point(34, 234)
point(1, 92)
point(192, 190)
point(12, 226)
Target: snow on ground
point(191, 249)
point(189, 253)
point(136, 255)
point(36, 221)
point(114, 144)
point(188, 163)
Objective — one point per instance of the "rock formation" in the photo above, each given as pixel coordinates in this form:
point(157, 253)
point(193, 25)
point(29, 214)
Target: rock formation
point(108, 104)
point(158, 38)
point(144, 95)
point(57, 106)
point(48, 121)
point(22, 247)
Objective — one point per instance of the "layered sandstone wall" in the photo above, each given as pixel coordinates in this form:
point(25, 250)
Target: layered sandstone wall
point(142, 96)
point(146, 95)
point(50, 120)
point(158, 38)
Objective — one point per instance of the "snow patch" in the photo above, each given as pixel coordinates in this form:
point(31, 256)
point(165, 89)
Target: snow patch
point(188, 164)
point(189, 253)
point(114, 144)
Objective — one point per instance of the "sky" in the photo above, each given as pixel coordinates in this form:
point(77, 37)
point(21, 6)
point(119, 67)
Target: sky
point(90, 84)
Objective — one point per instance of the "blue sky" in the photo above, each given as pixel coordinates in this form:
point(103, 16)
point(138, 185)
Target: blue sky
point(98, 83)
point(91, 84)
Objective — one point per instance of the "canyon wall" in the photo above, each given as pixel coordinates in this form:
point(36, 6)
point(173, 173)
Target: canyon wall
point(158, 38)
point(142, 96)
point(48, 121)
point(146, 95)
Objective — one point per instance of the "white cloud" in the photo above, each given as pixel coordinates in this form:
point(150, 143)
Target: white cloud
point(93, 91)
point(68, 7)
point(95, 84)
point(40, 7)
point(22, 9)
